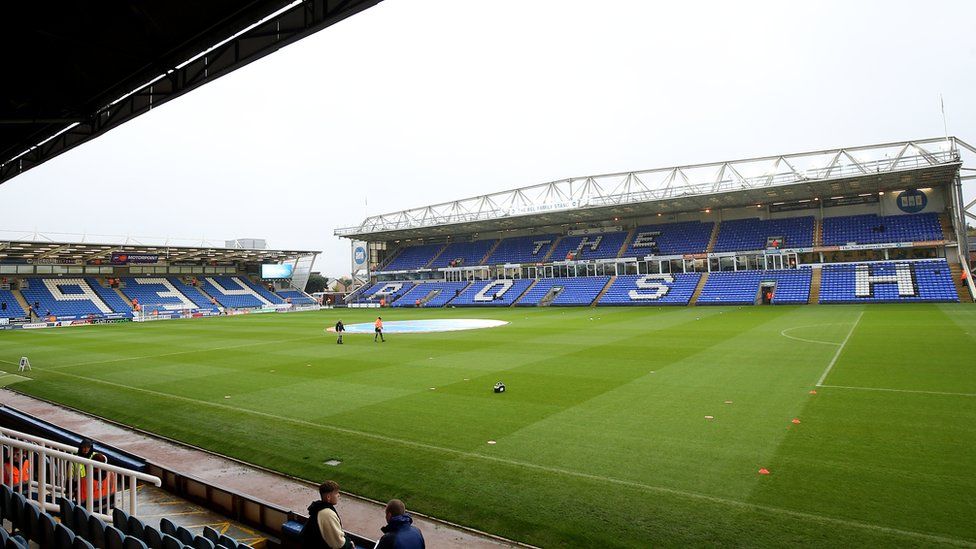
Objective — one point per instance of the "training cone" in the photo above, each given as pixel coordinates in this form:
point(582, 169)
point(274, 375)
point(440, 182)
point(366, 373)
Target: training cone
point(813, 392)
point(796, 421)
point(764, 471)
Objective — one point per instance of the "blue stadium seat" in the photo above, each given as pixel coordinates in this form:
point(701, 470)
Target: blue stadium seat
point(446, 291)
point(686, 237)
point(742, 287)
point(391, 290)
point(237, 292)
point(659, 289)
point(888, 282)
point(160, 293)
point(296, 297)
point(591, 246)
point(752, 234)
point(574, 290)
point(66, 298)
point(13, 310)
point(109, 296)
point(413, 257)
point(522, 249)
point(491, 293)
point(464, 253)
point(875, 229)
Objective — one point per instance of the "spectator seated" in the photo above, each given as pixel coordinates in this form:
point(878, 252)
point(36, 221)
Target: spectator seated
point(686, 237)
point(65, 298)
point(888, 282)
point(874, 229)
point(437, 294)
point(13, 309)
point(522, 249)
point(591, 246)
point(413, 257)
point(652, 289)
point(754, 234)
point(463, 254)
point(296, 297)
point(742, 287)
point(564, 291)
point(157, 293)
point(390, 291)
point(492, 293)
point(232, 291)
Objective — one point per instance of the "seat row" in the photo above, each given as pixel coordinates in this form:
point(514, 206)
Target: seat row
point(928, 280)
point(686, 237)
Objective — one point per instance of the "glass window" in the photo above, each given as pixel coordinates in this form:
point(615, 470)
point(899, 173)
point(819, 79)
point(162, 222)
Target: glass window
point(25, 269)
point(44, 269)
point(8, 269)
point(76, 270)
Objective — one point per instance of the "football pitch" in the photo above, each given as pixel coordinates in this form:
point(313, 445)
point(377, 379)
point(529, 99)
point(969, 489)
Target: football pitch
point(629, 427)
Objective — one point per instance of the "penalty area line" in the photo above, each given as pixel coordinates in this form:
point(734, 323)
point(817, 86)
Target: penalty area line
point(688, 494)
point(887, 390)
point(839, 350)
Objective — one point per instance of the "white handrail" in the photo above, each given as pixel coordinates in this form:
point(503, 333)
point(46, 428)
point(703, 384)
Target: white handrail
point(47, 443)
point(43, 474)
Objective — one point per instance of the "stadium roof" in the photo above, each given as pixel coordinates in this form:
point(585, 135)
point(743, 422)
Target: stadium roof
point(41, 250)
point(74, 70)
point(716, 185)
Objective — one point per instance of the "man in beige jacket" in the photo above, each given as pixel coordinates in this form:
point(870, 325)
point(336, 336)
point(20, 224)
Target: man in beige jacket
point(323, 529)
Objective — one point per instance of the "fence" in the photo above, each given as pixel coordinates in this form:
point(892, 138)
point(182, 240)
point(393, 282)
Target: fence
point(45, 471)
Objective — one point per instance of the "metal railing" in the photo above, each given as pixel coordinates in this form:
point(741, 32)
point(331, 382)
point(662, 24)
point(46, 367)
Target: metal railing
point(45, 471)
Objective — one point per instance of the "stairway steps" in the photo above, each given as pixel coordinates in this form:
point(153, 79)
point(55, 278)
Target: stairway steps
point(698, 289)
point(815, 279)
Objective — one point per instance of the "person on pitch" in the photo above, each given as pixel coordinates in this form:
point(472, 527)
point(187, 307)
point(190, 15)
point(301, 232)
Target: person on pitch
point(378, 329)
point(339, 328)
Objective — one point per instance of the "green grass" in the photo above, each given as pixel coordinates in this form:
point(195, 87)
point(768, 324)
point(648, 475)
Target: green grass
point(601, 439)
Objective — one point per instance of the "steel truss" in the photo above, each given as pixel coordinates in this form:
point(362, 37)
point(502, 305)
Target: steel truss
point(661, 184)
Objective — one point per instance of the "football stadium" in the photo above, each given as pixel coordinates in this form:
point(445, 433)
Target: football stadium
point(772, 351)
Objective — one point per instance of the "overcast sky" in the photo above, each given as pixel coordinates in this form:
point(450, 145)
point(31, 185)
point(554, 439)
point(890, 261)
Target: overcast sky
point(414, 102)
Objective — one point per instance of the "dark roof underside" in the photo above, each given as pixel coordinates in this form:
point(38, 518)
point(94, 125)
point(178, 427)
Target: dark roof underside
point(65, 63)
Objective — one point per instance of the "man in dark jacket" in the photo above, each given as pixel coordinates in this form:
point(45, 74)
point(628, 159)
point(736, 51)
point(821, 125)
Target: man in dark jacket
point(323, 529)
point(399, 532)
point(339, 328)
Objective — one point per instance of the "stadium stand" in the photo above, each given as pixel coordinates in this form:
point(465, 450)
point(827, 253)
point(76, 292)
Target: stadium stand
point(13, 310)
point(413, 257)
point(591, 246)
point(686, 237)
point(157, 293)
point(742, 287)
point(391, 290)
point(656, 289)
point(431, 294)
point(752, 234)
point(65, 298)
point(888, 282)
point(522, 249)
point(196, 295)
point(564, 291)
point(296, 297)
point(270, 296)
point(233, 292)
point(77, 528)
point(109, 296)
point(496, 293)
point(874, 229)
point(463, 253)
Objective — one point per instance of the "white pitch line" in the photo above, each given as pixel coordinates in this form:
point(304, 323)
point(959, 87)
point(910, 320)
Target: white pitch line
point(556, 470)
point(943, 393)
point(839, 350)
point(784, 334)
